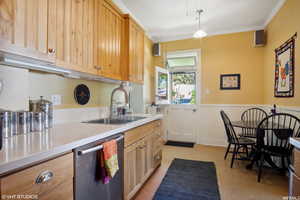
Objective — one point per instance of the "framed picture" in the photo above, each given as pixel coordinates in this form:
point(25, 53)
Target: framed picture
point(230, 82)
point(284, 69)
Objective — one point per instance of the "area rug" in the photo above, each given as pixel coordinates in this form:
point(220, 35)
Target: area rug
point(189, 180)
point(180, 144)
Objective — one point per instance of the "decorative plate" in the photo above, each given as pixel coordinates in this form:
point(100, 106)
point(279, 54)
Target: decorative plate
point(82, 94)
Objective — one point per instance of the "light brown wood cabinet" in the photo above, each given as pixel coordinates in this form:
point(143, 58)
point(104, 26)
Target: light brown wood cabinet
point(71, 33)
point(91, 36)
point(140, 157)
point(109, 41)
point(24, 29)
point(135, 50)
point(49, 180)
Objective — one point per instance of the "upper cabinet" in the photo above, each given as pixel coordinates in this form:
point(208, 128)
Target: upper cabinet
point(24, 29)
point(91, 36)
point(109, 41)
point(135, 50)
point(71, 33)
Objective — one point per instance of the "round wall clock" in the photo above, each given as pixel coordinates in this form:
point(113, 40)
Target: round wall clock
point(82, 94)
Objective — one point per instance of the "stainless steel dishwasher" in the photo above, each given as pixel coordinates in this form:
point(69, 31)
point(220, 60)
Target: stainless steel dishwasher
point(88, 184)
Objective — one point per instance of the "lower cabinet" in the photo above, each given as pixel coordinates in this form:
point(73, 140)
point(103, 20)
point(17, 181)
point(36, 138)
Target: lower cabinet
point(140, 157)
point(49, 180)
point(294, 183)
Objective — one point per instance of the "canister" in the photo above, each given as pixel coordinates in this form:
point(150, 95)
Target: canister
point(43, 105)
point(37, 121)
point(5, 121)
point(23, 122)
point(14, 123)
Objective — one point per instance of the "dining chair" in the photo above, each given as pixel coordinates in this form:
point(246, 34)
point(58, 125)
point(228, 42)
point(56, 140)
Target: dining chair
point(273, 135)
point(252, 115)
point(233, 139)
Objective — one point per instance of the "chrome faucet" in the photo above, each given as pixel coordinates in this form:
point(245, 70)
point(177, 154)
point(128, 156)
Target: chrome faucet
point(120, 88)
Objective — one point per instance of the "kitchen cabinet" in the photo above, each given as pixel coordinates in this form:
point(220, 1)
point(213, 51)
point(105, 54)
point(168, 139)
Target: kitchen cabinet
point(134, 50)
point(140, 157)
point(24, 29)
point(49, 180)
point(71, 33)
point(109, 41)
point(294, 183)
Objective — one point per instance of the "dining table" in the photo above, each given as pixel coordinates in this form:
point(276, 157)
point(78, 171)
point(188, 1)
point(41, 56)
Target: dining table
point(255, 154)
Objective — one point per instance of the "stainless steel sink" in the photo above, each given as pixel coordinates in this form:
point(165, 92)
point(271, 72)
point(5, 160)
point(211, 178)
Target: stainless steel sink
point(121, 120)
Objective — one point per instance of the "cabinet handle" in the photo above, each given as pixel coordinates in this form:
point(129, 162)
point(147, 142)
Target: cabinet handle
point(51, 50)
point(97, 67)
point(44, 177)
point(142, 147)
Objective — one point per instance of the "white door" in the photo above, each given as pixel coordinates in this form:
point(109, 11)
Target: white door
point(184, 90)
point(181, 124)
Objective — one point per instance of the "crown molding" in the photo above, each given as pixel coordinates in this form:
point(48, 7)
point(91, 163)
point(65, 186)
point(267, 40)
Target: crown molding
point(190, 35)
point(274, 12)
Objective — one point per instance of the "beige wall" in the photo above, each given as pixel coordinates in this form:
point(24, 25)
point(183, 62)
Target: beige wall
point(225, 54)
point(14, 95)
point(41, 84)
point(20, 85)
point(284, 25)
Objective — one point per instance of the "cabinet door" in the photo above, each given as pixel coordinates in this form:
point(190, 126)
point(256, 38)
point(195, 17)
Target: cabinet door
point(71, 33)
point(24, 29)
point(141, 161)
point(110, 26)
point(140, 57)
point(149, 154)
point(130, 170)
point(136, 53)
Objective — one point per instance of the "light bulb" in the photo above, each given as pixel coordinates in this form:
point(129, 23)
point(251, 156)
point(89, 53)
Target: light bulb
point(200, 34)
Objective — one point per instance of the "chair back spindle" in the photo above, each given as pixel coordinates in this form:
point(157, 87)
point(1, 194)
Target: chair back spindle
point(252, 115)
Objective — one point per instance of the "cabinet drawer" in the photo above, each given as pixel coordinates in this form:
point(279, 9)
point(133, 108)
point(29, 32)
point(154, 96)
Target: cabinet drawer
point(42, 179)
point(294, 185)
point(138, 133)
point(297, 161)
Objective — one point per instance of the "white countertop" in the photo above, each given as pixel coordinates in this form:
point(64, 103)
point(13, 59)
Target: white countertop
point(23, 150)
point(295, 142)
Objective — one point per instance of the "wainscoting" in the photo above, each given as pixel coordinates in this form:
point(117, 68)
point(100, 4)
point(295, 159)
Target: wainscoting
point(209, 126)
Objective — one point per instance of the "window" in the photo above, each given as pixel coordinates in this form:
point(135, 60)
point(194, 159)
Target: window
point(177, 83)
point(182, 67)
point(181, 62)
point(183, 87)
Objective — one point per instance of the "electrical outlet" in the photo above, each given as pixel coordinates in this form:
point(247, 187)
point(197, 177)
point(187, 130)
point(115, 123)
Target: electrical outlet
point(56, 99)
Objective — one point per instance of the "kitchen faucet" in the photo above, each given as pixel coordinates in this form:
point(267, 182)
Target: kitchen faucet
point(120, 88)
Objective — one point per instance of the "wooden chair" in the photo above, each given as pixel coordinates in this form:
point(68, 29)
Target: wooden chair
point(273, 135)
point(252, 115)
point(233, 139)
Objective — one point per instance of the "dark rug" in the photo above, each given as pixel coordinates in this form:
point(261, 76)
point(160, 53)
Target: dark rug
point(180, 144)
point(189, 180)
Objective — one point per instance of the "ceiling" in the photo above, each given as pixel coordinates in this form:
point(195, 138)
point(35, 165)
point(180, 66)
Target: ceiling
point(166, 20)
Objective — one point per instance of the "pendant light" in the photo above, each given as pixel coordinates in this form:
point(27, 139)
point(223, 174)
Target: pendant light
point(199, 33)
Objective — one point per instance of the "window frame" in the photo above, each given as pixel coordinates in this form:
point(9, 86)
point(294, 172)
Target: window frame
point(196, 68)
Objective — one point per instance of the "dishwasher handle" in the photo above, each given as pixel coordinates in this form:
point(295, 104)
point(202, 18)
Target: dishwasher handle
point(96, 148)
